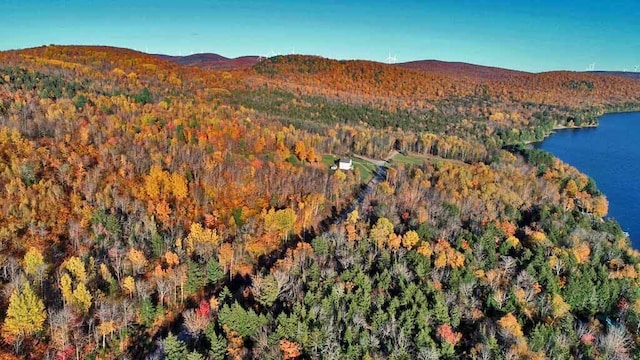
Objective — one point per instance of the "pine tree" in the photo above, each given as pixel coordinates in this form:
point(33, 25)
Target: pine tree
point(236, 318)
point(265, 290)
point(214, 271)
point(196, 278)
point(218, 343)
point(174, 349)
point(194, 356)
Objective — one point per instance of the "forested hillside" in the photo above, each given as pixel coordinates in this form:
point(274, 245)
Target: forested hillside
point(154, 210)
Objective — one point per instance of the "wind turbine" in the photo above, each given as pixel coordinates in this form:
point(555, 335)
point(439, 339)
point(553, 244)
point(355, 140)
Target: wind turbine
point(591, 67)
point(635, 69)
point(392, 59)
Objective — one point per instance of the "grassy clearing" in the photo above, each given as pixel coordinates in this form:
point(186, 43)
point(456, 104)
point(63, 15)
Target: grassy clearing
point(329, 160)
point(419, 159)
point(365, 168)
point(409, 159)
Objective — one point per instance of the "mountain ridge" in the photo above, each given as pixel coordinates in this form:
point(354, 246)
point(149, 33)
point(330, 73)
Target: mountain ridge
point(214, 61)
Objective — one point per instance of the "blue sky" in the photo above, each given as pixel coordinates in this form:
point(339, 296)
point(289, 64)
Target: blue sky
point(533, 36)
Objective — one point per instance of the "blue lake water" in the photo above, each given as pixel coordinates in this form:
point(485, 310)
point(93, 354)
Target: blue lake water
point(610, 154)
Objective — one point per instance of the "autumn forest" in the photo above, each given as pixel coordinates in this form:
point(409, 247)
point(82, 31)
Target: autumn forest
point(152, 209)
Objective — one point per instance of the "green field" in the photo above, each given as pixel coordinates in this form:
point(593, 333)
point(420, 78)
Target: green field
point(329, 160)
point(365, 168)
point(408, 159)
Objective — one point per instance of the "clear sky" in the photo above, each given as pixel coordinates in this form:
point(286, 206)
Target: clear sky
point(526, 35)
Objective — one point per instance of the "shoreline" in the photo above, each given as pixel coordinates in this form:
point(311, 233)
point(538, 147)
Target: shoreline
point(564, 127)
point(625, 231)
point(561, 127)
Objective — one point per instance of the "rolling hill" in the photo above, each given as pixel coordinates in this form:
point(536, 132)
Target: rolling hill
point(212, 61)
point(152, 209)
point(624, 74)
point(460, 69)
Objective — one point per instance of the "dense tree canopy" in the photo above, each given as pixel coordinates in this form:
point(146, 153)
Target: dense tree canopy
point(150, 208)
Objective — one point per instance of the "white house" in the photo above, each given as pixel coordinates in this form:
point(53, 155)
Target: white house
point(345, 164)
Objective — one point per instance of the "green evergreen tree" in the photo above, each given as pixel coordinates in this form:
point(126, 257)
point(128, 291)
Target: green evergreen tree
point(194, 356)
point(196, 278)
point(266, 290)
point(217, 343)
point(214, 271)
point(246, 323)
point(174, 349)
point(147, 312)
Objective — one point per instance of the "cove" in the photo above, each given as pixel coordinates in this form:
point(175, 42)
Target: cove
point(610, 154)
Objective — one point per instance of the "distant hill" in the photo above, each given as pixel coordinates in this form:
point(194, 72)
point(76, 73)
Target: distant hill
point(193, 59)
point(453, 69)
point(624, 74)
point(457, 69)
point(212, 61)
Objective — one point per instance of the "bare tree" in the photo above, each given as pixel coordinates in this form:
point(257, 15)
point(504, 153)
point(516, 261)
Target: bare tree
point(615, 344)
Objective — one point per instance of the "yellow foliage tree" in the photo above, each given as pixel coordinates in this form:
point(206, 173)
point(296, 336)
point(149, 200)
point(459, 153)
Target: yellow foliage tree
point(82, 298)
point(300, 150)
point(171, 258)
point(380, 231)
point(582, 252)
point(129, 285)
point(105, 273)
point(33, 262)
point(340, 175)
point(559, 307)
point(106, 328)
point(425, 250)
point(410, 239)
point(455, 259)
point(510, 325)
point(352, 217)
point(201, 241)
point(179, 186)
point(600, 206)
point(138, 260)
point(441, 260)
point(571, 188)
point(394, 241)
point(279, 222)
point(25, 314)
point(538, 237)
point(225, 256)
point(512, 241)
point(65, 288)
point(154, 182)
point(76, 267)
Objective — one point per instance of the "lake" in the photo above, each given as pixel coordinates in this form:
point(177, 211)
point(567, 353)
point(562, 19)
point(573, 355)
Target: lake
point(610, 154)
